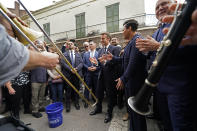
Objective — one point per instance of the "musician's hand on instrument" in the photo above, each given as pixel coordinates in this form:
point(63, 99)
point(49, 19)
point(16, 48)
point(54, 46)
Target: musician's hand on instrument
point(11, 15)
point(51, 60)
point(22, 22)
point(109, 56)
point(74, 70)
point(145, 45)
point(119, 85)
point(191, 35)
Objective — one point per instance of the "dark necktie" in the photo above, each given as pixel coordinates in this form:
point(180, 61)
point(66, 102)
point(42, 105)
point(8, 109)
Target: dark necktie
point(72, 58)
point(105, 50)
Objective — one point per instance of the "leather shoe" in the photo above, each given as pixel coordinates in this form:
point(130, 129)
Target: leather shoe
point(77, 106)
point(95, 111)
point(37, 114)
point(41, 109)
point(108, 118)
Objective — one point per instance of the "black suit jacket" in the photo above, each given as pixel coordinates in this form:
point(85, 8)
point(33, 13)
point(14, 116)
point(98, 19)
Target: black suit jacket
point(134, 67)
point(78, 64)
point(109, 67)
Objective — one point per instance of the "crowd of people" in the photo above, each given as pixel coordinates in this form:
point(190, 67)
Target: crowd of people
point(110, 71)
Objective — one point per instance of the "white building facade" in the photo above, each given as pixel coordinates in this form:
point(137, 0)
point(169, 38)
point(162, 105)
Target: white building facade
point(70, 19)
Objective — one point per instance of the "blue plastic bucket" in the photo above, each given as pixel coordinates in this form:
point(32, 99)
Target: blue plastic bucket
point(54, 112)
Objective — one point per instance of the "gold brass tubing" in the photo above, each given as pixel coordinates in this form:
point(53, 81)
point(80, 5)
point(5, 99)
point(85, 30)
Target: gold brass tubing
point(22, 34)
point(73, 87)
point(58, 50)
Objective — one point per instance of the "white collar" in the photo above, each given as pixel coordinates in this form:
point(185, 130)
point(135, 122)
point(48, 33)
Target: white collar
point(107, 46)
point(72, 51)
point(93, 51)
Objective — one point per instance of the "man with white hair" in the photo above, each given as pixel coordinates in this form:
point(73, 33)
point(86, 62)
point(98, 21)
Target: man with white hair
point(177, 86)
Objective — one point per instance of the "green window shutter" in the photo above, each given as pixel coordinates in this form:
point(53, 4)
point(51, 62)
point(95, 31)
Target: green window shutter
point(46, 28)
point(80, 25)
point(112, 17)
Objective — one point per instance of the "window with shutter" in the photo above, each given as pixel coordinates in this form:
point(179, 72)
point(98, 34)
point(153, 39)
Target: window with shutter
point(112, 18)
point(46, 28)
point(80, 25)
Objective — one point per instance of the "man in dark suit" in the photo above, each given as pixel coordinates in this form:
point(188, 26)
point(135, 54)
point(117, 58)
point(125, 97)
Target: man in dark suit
point(86, 49)
point(177, 84)
point(92, 70)
point(77, 63)
point(134, 71)
point(106, 80)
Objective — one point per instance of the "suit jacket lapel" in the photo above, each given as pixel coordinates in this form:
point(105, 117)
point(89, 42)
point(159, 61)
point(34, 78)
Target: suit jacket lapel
point(88, 54)
point(109, 49)
point(68, 56)
point(96, 54)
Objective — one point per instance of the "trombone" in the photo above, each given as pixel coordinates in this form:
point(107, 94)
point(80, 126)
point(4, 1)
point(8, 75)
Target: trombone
point(32, 35)
point(26, 38)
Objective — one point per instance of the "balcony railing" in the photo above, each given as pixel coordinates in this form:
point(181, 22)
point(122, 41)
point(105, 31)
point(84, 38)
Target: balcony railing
point(144, 20)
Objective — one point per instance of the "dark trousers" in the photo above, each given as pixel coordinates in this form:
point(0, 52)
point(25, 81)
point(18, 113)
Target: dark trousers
point(14, 100)
point(155, 106)
point(127, 95)
point(27, 96)
point(162, 105)
point(105, 82)
point(91, 81)
point(182, 111)
point(48, 90)
point(136, 122)
point(24, 92)
point(70, 93)
point(120, 97)
point(57, 92)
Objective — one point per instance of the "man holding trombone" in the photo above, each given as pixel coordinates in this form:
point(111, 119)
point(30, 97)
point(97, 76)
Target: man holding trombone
point(77, 63)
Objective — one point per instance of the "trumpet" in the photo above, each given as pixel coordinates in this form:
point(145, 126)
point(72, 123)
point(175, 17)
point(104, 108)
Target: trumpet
point(170, 43)
point(64, 58)
point(32, 34)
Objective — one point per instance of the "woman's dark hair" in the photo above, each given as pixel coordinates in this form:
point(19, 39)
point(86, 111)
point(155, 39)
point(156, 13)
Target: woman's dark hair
point(131, 23)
